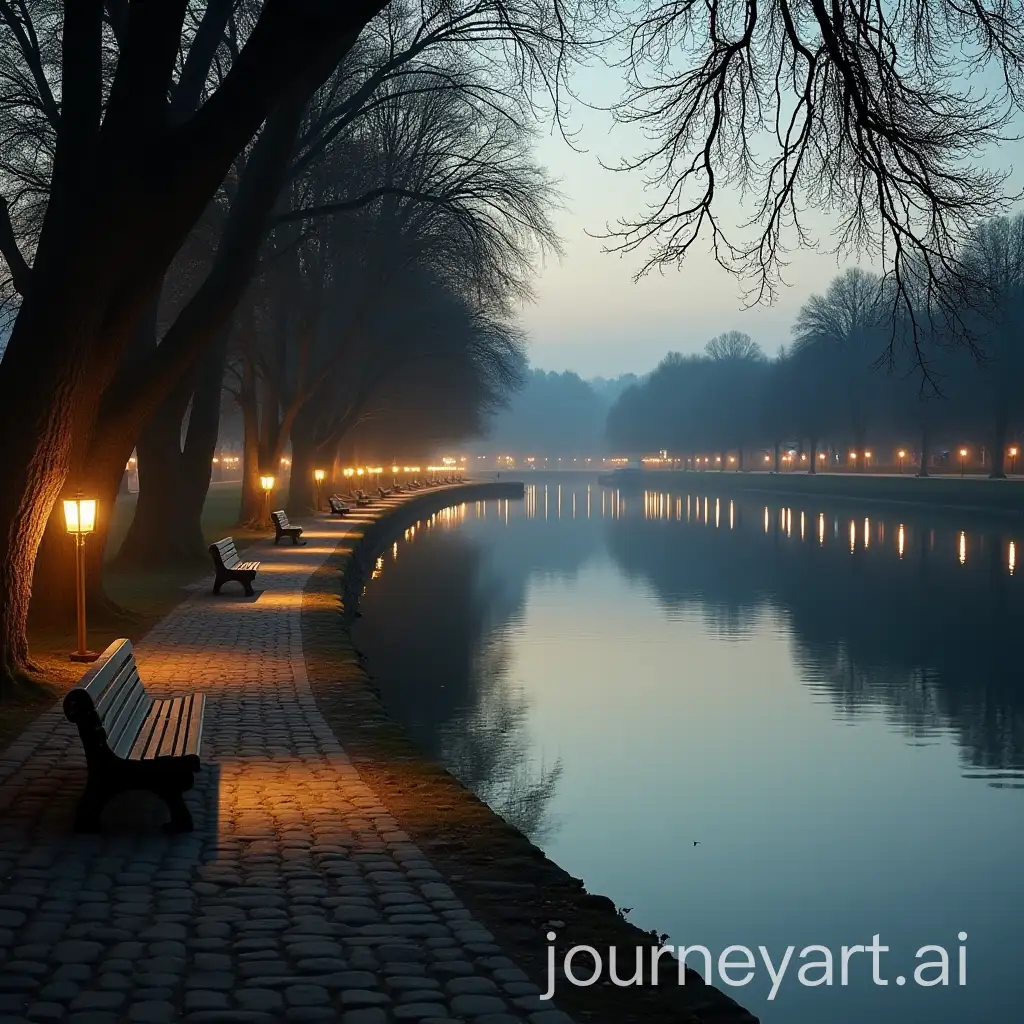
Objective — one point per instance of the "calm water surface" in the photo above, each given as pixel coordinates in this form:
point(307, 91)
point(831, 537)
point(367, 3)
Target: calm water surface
point(828, 699)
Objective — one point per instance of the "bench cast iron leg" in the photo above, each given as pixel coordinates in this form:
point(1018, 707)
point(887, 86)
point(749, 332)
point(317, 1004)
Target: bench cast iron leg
point(248, 587)
point(90, 807)
point(181, 819)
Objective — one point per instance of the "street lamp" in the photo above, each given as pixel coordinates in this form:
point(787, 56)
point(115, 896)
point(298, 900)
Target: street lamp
point(318, 476)
point(80, 520)
point(867, 458)
point(963, 455)
point(1013, 459)
point(901, 455)
point(267, 483)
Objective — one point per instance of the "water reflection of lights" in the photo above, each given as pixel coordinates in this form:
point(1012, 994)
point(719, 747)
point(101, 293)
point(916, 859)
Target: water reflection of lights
point(668, 506)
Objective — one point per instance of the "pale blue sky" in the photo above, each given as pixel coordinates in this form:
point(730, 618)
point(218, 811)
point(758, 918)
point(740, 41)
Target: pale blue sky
point(589, 315)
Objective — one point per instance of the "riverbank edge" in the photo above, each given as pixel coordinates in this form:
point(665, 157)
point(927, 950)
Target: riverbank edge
point(508, 883)
point(1004, 498)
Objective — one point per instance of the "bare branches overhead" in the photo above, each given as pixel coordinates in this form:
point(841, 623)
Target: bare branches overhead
point(867, 111)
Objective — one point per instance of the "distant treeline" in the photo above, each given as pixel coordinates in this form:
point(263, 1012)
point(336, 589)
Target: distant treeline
point(557, 414)
point(856, 377)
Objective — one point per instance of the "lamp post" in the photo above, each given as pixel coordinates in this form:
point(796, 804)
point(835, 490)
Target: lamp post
point(318, 476)
point(867, 459)
point(963, 455)
point(267, 483)
point(80, 520)
point(1013, 459)
point(901, 455)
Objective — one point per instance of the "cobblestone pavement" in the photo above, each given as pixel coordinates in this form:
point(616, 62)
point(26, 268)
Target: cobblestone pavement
point(297, 898)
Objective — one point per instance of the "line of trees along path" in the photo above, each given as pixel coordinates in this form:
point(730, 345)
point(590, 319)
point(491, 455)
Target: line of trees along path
point(126, 127)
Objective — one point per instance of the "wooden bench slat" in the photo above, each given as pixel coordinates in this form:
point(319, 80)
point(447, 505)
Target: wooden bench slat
point(96, 680)
point(116, 724)
point(150, 733)
point(169, 740)
point(122, 745)
point(111, 699)
point(194, 726)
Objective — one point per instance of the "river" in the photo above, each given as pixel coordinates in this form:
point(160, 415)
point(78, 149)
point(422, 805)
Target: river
point(750, 723)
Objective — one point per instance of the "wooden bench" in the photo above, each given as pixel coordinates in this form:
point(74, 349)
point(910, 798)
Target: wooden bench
point(230, 567)
point(132, 741)
point(338, 507)
point(282, 528)
point(384, 492)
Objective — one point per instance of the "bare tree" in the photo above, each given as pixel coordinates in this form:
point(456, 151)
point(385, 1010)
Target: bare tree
point(994, 251)
point(734, 345)
point(867, 111)
point(148, 107)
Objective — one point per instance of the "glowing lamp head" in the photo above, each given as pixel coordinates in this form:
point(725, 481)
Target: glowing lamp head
point(267, 483)
point(359, 472)
point(963, 453)
point(1013, 451)
point(902, 454)
point(318, 475)
point(348, 472)
point(867, 455)
point(394, 469)
point(80, 515)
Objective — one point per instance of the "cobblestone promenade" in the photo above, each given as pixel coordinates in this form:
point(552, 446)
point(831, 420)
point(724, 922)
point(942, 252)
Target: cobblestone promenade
point(297, 898)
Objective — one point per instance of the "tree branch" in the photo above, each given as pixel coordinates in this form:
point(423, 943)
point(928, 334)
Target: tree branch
point(21, 272)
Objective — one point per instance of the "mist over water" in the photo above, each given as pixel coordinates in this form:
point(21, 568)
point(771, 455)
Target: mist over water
point(828, 699)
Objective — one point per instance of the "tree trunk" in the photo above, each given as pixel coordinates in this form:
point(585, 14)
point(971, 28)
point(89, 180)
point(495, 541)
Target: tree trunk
point(739, 459)
point(301, 487)
point(999, 443)
point(174, 482)
point(776, 450)
point(813, 469)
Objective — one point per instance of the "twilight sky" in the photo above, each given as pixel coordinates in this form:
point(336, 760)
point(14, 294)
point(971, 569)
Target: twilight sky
point(589, 315)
